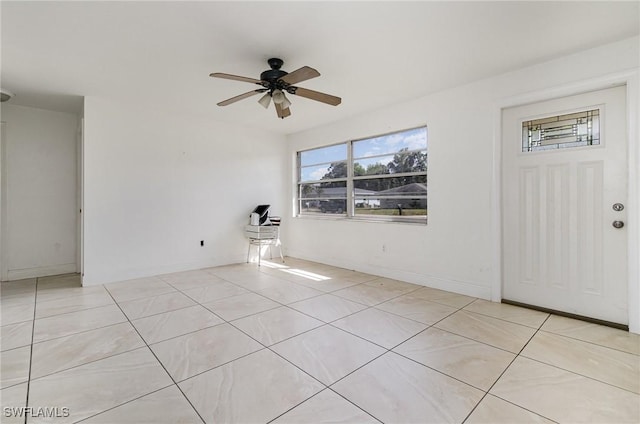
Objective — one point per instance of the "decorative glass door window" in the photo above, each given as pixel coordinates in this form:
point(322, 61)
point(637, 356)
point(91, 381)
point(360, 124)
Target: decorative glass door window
point(562, 131)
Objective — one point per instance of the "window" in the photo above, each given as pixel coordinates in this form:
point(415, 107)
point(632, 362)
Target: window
point(562, 131)
point(380, 178)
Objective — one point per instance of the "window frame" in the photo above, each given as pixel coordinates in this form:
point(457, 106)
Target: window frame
point(351, 196)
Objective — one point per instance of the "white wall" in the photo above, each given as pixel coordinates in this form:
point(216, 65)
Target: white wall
point(455, 251)
point(157, 182)
point(40, 169)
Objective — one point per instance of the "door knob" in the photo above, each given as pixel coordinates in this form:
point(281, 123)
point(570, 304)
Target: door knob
point(618, 207)
point(618, 224)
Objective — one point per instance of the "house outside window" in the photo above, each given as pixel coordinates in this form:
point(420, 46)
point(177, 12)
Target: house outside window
point(378, 178)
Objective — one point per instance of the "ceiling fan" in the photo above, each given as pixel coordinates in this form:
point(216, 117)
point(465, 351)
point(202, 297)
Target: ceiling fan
point(275, 82)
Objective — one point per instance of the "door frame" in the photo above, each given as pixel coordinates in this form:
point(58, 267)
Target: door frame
point(80, 198)
point(631, 80)
point(3, 203)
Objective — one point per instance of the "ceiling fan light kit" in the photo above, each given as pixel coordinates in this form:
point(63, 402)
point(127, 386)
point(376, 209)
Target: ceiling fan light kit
point(285, 102)
point(5, 95)
point(280, 99)
point(275, 83)
point(277, 96)
point(265, 100)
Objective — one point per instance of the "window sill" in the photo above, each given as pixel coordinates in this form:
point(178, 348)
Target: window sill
point(362, 219)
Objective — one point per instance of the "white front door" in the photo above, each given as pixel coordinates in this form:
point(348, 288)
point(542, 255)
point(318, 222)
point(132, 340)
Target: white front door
point(564, 182)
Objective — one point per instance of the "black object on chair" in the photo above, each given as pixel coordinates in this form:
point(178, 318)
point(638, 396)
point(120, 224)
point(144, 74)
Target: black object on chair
point(263, 211)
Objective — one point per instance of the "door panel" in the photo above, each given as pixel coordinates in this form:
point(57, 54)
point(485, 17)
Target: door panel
point(560, 250)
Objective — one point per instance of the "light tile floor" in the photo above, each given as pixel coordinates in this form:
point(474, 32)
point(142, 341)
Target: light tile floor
point(300, 343)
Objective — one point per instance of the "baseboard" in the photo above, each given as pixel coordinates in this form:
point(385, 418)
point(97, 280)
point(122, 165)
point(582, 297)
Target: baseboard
point(43, 271)
point(466, 288)
point(439, 282)
point(90, 279)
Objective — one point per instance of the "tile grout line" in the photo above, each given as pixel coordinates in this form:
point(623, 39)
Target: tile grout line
point(122, 404)
point(540, 330)
point(73, 312)
point(221, 365)
point(413, 360)
point(362, 338)
point(421, 364)
point(579, 374)
point(435, 369)
point(284, 359)
point(537, 330)
point(88, 362)
point(177, 290)
point(33, 330)
point(482, 342)
point(590, 342)
point(268, 347)
point(349, 400)
point(326, 386)
point(415, 320)
point(232, 325)
point(197, 303)
point(503, 319)
point(465, 337)
point(260, 294)
point(503, 372)
point(374, 307)
point(303, 285)
point(343, 330)
point(79, 332)
point(158, 360)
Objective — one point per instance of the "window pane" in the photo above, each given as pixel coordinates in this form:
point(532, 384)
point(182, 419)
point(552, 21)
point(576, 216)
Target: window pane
point(404, 186)
point(331, 190)
point(324, 172)
point(406, 196)
point(374, 166)
point(323, 198)
point(414, 139)
point(393, 164)
point(324, 155)
point(415, 207)
point(335, 206)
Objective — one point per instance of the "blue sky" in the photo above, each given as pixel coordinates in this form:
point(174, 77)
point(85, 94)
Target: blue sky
point(414, 139)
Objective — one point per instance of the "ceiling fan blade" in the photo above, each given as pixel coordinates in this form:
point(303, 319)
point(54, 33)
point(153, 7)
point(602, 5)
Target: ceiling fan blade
point(282, 112)
point(299, 75)
point(315, 95)
point(241, 96)
point(235, 78)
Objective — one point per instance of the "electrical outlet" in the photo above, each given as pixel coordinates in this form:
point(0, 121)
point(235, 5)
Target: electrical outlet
point(201, 242)
point(384, 248)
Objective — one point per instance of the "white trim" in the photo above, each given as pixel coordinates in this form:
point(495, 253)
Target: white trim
point(630, 78)
point(131, 273)
point(80, 205)
point(3, 204)
point(44, 271)
point(633, 202)
point(467, 288)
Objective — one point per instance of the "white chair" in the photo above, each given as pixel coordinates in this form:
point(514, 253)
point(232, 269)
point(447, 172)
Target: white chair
point(263, 235)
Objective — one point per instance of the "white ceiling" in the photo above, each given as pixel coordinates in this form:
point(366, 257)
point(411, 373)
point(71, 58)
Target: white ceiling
point(371, 54)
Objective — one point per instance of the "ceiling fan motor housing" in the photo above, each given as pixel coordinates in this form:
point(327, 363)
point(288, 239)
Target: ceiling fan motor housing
point(274, 74)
